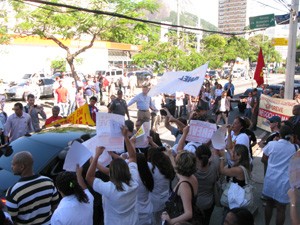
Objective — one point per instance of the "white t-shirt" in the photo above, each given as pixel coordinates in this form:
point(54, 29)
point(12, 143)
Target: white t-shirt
point(72, 212)
point(160, 193)
point(120, 207)
point(223, 105)
point(145, 207)
point(241, 139)
point(248, 105)
point(179, 98)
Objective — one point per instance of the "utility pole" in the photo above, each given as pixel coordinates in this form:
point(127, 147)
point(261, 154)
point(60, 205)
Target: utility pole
point(199, 35)
point(178, 22)
point(290, 65)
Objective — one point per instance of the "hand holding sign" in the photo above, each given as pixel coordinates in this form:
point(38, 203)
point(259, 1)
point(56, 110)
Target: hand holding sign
point(77, 154)
point(124, 130)
point(99, 151)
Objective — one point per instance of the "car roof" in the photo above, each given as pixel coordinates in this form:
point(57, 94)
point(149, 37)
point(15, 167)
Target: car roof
point(45, 145)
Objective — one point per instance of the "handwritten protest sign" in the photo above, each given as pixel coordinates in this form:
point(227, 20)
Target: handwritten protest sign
point(110, 143)
point(109, 134)
point(142, 138)
point(269, 107)
point(109, 124)
point(77, 154)
point(140, 132)
point(201, 131)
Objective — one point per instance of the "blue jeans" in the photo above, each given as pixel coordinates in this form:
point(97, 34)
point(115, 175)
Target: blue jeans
point(248, 113)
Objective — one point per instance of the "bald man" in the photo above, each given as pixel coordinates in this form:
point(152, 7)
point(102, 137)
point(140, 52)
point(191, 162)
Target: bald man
point(33, 198)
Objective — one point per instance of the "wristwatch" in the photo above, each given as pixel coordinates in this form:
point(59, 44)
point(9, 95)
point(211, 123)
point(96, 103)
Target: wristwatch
point(221, 158)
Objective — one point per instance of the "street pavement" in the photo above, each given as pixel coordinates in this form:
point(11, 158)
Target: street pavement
point(257, 174)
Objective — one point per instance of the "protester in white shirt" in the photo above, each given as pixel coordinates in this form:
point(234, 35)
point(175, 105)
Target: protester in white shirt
point(119, 195)
point(163, 173)
point(146, 184)
point(235, 136)
point(76, 206)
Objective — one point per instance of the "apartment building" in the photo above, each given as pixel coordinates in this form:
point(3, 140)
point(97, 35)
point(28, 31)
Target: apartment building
point(232, 15)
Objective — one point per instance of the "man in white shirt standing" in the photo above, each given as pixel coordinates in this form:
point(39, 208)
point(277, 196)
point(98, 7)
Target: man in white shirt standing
point(17, 124)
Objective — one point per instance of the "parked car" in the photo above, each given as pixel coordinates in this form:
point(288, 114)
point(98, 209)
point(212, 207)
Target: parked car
point(236, 74)
point(225, 74)
point(297, 70)
point(277, 87)
point(48, 148)
point(242, 105)
point(111, 74)
point(212, 74)
point(20, 91)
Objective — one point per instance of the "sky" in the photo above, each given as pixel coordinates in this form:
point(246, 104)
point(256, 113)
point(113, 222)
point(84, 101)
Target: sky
point(208, 9)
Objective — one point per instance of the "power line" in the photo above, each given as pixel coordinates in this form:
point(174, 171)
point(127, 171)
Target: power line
point(284, 4)
point(100, 12)
point(270, 6)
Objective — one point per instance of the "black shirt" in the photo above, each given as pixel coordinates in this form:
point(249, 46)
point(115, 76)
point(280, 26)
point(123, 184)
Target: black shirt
point(118, 106)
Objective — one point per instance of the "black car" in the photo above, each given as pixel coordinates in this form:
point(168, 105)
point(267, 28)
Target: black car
point(48, 148)
point(242, 105)
point(277, 87)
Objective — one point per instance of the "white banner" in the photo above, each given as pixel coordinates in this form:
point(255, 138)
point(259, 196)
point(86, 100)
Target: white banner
point(200, 131)
point(187, 82)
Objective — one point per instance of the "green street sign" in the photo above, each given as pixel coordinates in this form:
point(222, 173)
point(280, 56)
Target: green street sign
point(263, 21)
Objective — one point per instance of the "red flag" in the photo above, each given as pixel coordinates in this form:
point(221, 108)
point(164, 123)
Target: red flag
point(259, 74)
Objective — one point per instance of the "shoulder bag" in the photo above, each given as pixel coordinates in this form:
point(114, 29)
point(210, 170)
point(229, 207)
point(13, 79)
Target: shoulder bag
point(248, 188)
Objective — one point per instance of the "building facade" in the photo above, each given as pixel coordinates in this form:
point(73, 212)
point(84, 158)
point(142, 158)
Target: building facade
point(232, 15)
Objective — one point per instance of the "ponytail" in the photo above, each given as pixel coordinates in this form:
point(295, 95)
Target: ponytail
point(66, 182)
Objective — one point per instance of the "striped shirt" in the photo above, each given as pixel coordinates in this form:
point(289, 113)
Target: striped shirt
point(30, 200)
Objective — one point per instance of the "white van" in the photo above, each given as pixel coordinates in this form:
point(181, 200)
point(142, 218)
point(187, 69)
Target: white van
point(111, 74)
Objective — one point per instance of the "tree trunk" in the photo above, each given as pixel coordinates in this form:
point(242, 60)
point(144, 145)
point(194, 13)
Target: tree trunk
point(70, 60)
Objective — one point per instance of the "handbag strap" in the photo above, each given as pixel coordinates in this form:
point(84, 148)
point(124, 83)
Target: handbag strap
point(246, 174)
point(185, 181)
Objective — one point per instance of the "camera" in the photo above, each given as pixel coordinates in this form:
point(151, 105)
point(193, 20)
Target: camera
point(163, 112)
point(171, 106)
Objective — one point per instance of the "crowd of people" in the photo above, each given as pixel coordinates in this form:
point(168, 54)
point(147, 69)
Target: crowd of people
point(138, 186)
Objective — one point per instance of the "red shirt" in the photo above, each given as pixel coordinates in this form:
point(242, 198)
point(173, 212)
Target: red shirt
point(52, 119)
point(93, 111)
point(62, 95)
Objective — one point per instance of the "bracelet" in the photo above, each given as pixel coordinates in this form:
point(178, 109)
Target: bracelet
point(221, 158)
point(293, 205)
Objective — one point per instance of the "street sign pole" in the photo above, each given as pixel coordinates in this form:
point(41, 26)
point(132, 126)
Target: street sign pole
point(291, 55)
